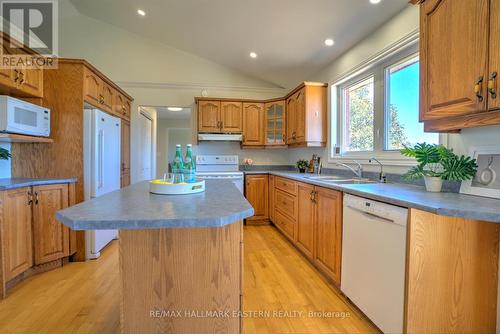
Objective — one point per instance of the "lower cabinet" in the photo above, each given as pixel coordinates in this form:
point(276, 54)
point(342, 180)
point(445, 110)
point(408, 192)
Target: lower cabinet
point(256, 192)
point(51, 238)
point(271, 198)
point(305, 219)
point(312, 220)
point(30, 235)
point(328, 228)
point(16, 233)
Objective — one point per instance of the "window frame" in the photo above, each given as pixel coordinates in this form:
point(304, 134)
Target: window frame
point(377, 67)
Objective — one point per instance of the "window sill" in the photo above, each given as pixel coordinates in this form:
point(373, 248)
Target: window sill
point(386, 158)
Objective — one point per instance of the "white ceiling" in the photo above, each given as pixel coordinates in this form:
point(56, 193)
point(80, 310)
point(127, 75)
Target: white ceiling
point(287, 35)
point(164, 113)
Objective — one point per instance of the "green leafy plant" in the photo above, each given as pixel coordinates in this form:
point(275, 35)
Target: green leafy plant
point(302, 164)
point(4, 154)
point(439, 161)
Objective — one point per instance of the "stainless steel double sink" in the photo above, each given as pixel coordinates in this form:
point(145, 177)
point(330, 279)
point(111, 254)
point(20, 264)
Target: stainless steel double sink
point(339, 179)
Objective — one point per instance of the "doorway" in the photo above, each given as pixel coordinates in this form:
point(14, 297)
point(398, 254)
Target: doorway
point(146, 145)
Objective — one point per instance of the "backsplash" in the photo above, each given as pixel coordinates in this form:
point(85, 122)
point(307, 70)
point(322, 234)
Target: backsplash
point(5, 165)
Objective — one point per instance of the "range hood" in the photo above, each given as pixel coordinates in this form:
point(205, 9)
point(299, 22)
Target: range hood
point(219, 137)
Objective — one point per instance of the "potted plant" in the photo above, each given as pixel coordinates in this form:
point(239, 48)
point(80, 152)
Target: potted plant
point(302, 165)
point(4, 154)
point(437, 163)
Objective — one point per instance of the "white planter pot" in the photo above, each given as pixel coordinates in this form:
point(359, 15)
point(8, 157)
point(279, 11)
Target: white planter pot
point(433, 183)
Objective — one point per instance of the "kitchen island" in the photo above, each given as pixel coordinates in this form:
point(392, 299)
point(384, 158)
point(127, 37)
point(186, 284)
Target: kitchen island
point(181, 264)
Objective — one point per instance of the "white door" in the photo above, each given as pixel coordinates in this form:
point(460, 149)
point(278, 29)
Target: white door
point(145, 128)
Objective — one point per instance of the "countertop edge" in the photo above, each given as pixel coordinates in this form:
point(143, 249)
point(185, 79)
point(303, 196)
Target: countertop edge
point(466, 214)
point(156, 224)
point(25, 182)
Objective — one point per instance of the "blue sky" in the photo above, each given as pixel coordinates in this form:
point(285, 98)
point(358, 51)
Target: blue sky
point(404, 95)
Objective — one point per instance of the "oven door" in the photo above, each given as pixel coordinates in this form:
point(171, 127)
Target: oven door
point(237, 179)
point(27, 119)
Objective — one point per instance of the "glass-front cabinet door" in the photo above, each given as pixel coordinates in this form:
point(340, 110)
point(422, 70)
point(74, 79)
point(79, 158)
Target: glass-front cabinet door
point(275, 123)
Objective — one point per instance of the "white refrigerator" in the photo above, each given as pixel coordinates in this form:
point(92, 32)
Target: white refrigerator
point(101, 156)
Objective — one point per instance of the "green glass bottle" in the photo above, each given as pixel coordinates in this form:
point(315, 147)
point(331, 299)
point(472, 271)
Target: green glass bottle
point(189, 166)
point(178, 165)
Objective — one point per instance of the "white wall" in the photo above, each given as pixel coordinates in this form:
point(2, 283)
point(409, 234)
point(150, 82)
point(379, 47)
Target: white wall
point(162, 151)
point(5, 165)
point(153, 73)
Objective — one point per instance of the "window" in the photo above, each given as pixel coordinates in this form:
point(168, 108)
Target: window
point(376, 109)
point(359, 111)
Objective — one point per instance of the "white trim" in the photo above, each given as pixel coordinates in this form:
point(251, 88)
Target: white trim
point(371, 67)
point(194, 85)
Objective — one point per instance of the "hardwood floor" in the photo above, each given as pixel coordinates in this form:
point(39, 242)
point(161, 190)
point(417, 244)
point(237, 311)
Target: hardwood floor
point(84, 297)
point(277, 277)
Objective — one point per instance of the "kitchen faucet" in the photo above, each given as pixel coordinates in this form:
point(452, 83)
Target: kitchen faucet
point(381, 177)
point(358, 171)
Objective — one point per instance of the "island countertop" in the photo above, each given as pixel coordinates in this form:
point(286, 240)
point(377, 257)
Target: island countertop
point(134, 208)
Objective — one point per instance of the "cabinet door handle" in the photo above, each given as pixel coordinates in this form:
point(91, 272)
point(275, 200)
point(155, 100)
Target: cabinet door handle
point(30, 198)
point(478, 87)
point(492, 84)
point(21, 77)
point(36, 197)
point(311, 196)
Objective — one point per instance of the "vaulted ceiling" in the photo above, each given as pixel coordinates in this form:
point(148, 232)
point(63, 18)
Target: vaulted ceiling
point(287, 35)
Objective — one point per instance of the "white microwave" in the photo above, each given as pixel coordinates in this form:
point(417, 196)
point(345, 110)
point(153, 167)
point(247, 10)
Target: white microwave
point(18, 116)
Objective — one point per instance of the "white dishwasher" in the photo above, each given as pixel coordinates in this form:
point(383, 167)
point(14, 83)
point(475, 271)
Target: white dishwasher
point(373, 260)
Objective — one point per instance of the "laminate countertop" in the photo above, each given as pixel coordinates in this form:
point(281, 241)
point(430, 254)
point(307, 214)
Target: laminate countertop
point(14, 183)
point(410, 196)
point(134, 207)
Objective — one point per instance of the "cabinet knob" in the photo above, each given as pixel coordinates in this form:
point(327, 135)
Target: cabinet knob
point(492, 85)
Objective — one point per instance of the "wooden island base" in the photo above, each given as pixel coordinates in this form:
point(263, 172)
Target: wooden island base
point(173, 278)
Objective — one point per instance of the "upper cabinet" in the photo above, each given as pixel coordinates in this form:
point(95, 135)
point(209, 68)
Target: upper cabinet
point(101, 94)
point(275, 123)
point(253, 124)
point(298, 119)
point(460, 58)
point(20, 81)
point(231, 116)
point(306, 115)
point(209, 116)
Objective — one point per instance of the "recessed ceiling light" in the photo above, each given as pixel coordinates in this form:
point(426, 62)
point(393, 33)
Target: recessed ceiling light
point(174, 108)
point(141, 12)
point(329, 42)
point(253, 55)
point(375, 1)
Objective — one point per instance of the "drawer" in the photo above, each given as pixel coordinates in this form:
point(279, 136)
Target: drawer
point(286, 185)
point(286, 203)
point(285, 224)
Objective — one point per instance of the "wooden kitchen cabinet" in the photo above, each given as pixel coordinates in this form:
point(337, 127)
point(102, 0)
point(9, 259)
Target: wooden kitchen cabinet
point(231, 116)
point(298, 119)
point(92, 88)
point(311, 217)
point(20, 82)
point(275, 123)
point(51, 238)
point(457, 28)
point(257, 193)
point(328, 232)
point(272, 199)
point(209, 116)
point(31, 239)
point(253, 124)
point(306, 115)
point(122, 106)
point(107, 98)
point(125, 154)
point(305, 219)
point(16, 242)
point(459, 91)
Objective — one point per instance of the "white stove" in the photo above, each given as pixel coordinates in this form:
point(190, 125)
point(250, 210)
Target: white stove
point(219, 167)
